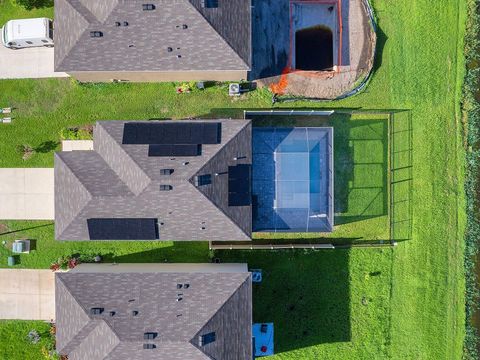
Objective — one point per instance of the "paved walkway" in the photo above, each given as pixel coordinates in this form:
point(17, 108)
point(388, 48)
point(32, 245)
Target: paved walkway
point(75, 145)
point(27, 294)
point(26, 194)
point(27, 63)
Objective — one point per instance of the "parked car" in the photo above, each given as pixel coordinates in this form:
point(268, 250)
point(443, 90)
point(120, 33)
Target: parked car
point(25, 33)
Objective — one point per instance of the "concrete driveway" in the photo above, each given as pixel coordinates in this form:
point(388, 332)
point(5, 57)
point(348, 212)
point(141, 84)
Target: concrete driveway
point(26, 194)
point(27, 63)
point(27, 294)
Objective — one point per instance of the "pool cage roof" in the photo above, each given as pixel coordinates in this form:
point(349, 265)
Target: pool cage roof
point(293, 179)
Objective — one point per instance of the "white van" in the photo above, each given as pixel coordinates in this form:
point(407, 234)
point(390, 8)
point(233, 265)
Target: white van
point(19, 34)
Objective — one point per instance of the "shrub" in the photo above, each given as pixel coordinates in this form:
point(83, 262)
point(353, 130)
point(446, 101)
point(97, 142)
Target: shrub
point(33, 336)
point(84, 132)
point(32, 4)
point(26, 151)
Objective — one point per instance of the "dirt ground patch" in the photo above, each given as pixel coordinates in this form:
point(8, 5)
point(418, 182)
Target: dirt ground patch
point(276, 24)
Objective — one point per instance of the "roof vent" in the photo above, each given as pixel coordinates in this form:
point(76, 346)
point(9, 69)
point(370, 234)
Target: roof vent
point(125, 23)
point(96, 311)
point(149, 346)
point(117, 23)
point(150, 335)
point(148, 7)
point(179, 286)
point(134, 312)
point(169, 49)
point(166, 171)
point(210, 4)
point(96, 34)
point(179, 297)
point(186, 286)
point(206, 339)
point(112, 313)
point(166, 187)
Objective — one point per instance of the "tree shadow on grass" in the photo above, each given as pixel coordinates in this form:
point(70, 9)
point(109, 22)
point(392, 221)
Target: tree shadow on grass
point(305, 294)
point(47, 146)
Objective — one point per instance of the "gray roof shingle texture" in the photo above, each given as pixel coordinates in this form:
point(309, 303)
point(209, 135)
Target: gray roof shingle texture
point(122, 181)
point(214, 39)
point(214, 302)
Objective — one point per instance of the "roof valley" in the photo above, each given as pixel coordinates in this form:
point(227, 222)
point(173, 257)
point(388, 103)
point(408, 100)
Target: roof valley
point(221, 36)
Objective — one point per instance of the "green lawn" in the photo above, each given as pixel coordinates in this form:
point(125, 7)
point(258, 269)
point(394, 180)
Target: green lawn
point(15, 345)
point(401, 303)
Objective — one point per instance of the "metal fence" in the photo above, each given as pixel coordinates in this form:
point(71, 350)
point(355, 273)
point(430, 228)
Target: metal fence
point(400, 183)
point(401, 175)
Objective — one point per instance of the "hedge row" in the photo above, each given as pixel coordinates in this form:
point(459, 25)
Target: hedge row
point(471, 111)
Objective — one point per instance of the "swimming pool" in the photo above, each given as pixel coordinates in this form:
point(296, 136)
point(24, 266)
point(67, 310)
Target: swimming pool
point(293, 179)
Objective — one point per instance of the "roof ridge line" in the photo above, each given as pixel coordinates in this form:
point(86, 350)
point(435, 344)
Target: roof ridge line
point(247, 122)
point(75, 7)
point(91, 197)
point(221, 37)
point(127, 155)
point(76, 336)
point(71, 294)
point(219, 309)
point(59, 278)
point(223, 212)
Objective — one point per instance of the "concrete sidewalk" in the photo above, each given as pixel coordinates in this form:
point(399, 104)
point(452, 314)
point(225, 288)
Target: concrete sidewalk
point(30, 63)
point(26, 194)
point(27, 294)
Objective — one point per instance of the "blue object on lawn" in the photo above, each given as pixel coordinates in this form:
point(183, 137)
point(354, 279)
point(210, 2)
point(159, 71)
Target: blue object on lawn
point(256, 275)
point(263, 334)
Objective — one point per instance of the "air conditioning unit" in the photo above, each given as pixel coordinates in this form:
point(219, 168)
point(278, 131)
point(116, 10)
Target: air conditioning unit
point(234, 89)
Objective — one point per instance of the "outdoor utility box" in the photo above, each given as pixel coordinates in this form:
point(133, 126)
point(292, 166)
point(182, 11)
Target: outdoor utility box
point(11, 261)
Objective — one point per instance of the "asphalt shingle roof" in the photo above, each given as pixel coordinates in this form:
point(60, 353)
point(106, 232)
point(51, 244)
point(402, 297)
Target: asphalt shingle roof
point(121, 181)
point(199, 38)
point(213, 302)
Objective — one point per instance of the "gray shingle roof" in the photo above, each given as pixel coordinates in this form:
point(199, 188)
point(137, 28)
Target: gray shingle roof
point(214, 302)
point(122, 181)
point(214, 39)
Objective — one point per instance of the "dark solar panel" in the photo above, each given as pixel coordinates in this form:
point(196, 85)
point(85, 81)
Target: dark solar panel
point(241, 171)
point(123, 229)
point(172, 133)
point(239, 199)
point(239, 185)
point(174, 150)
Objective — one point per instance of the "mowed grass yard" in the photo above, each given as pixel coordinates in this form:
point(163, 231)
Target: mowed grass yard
point(401, 303)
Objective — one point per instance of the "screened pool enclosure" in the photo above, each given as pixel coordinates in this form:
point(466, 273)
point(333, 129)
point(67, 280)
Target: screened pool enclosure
point(293, 179)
